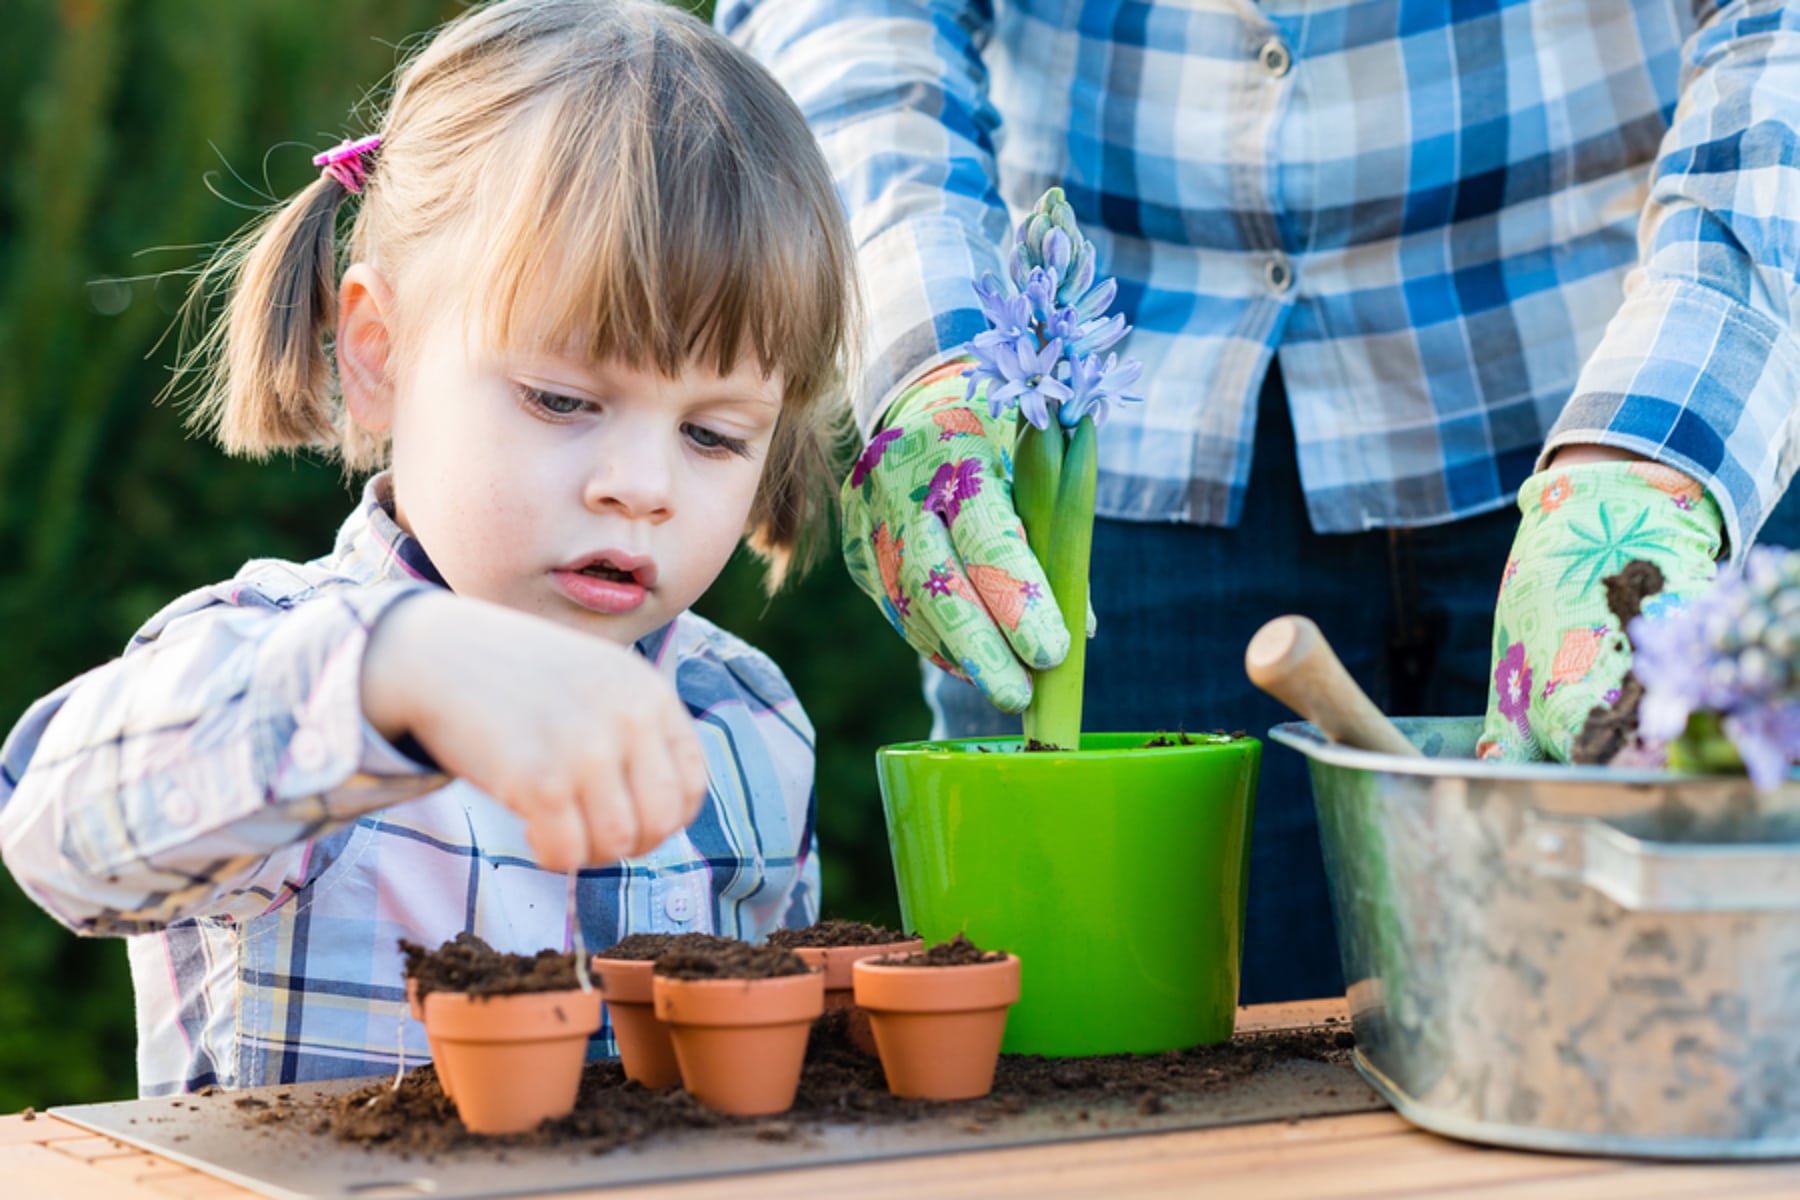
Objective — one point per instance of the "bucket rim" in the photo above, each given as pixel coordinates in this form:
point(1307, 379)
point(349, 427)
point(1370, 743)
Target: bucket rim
point(1309, 740)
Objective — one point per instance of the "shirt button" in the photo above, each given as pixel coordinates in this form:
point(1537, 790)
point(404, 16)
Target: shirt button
point(306, 750)
point(1275, 57)
point(679, 906)
point(1278, 275)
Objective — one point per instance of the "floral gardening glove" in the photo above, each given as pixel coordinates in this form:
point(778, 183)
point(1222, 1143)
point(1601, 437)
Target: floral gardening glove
point(1558, 650)
point(931, 535)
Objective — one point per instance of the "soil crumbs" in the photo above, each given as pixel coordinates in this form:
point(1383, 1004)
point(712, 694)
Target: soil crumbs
point(470, 965)
point(959, 951)
point(840, 1085)
point(837, 933)
point(638, 947)
point(1612, 729)
point(732, 960)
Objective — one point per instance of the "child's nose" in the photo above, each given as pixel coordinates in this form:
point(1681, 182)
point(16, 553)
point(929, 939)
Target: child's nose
point(633, 476)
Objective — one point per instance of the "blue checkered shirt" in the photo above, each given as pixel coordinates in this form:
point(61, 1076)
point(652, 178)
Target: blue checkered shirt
point(216, 796)
point(1431, 211)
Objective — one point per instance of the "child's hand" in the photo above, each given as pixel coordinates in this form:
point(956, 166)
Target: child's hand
point(575, 734)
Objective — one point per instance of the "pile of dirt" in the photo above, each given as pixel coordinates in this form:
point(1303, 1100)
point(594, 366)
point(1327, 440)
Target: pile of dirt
point(470, 965)
point(839, 1085)
point(639, 947)
point(730, 960)
point(959, 951)
point(1613, 728)
point(837, 933)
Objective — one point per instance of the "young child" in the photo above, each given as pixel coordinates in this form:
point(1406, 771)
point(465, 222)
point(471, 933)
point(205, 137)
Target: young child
point(599, 290)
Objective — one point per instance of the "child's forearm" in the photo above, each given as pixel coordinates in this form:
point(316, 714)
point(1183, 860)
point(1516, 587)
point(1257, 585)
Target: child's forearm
point(187, 777)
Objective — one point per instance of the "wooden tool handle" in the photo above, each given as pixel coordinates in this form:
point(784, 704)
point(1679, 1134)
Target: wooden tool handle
point(1291, 660)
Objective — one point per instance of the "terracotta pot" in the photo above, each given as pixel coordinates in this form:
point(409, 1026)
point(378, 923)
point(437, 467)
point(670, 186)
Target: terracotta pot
point(516, 1059)
point(839, 986)
point(644, 1046)
point(938, 1028)
point(741, 1042)
point(437, 1060)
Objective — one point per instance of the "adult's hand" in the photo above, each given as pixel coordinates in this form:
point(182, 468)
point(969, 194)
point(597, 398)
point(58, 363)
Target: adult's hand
point(1558, 649)
point(930, 533)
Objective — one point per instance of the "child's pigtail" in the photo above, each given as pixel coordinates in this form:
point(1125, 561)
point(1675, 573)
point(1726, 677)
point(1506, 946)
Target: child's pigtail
point(265, 378)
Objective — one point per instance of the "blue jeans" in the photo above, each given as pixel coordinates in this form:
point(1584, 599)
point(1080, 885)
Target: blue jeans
point(1409, 611)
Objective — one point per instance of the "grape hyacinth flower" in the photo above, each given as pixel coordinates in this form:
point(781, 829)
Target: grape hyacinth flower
point(1041, 356)
point(1721, 674)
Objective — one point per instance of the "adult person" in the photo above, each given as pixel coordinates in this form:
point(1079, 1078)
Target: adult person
point(1391, 265)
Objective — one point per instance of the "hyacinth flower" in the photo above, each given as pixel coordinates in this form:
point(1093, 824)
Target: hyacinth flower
point(1721, 674)
point(1041, 357)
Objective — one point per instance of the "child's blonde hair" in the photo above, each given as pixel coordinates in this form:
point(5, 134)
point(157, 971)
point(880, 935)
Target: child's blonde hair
point(618, 148)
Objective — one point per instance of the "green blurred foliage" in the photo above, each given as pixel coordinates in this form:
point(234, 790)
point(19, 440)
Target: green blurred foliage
point(139, 134)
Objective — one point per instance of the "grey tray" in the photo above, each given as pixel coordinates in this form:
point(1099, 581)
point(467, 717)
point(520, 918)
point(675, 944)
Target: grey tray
point(212, 1134)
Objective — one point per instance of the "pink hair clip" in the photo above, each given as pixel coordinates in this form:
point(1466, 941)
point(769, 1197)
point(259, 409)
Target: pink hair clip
point(344, 162)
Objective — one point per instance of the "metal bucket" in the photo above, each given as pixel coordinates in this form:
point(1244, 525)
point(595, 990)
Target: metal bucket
point(1566, 958)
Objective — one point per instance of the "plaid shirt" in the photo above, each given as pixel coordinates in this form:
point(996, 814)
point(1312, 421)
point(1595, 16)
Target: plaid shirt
point(1431, 210)
point(216, 796)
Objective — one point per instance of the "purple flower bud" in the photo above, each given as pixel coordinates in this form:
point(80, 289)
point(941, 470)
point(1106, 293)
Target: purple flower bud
point(1040, 291)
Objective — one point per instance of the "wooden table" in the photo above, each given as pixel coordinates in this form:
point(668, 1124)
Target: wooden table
point(1368, 1154)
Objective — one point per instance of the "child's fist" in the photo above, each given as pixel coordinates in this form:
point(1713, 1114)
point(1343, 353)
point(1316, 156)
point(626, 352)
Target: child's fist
point(578, 736)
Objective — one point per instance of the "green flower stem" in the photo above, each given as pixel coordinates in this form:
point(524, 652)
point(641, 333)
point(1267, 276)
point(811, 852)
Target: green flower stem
point(1053, 719)
point(1037, 468)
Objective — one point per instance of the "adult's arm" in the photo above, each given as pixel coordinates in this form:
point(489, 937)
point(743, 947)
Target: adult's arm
point(1700, 369)
point(897, 94)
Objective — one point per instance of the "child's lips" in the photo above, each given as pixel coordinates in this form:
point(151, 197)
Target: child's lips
point(613, 564)
point(599, 594)
point(608, 581)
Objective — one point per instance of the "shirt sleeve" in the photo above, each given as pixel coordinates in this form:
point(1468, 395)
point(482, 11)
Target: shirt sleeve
point(1700, 367)
point(897, 95)
point(192, 776)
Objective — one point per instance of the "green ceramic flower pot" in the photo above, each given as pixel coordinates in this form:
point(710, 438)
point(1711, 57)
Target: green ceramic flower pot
point(1116, 874)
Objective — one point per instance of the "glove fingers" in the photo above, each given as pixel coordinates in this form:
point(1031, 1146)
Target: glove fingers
point(1006, 575)
point(1584, 674)
point(872, 558)
point(1558, 651)
point(963, 632)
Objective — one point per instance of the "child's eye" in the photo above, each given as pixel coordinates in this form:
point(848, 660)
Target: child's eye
point(553, 403)
point(711, 442)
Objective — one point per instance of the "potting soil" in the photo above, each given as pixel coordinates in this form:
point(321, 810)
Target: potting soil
point(836, 933)
point(470, 965)
point(350, 1138)
point(959, 951)
point(729, 960)
point(1613, 728)
point(839, 1084)
point(640, 946)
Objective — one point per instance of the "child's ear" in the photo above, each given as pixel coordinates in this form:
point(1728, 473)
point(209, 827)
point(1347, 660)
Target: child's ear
point(365, 347)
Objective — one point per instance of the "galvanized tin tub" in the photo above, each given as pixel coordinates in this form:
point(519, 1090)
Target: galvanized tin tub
point(1566, 958)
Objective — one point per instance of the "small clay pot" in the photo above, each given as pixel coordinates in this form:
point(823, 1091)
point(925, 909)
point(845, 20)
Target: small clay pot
point(437, 1060)
point(741, 1042)
point(840, 987)
point(516, 1059)
point(645, 1050)
point(938, 1029)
